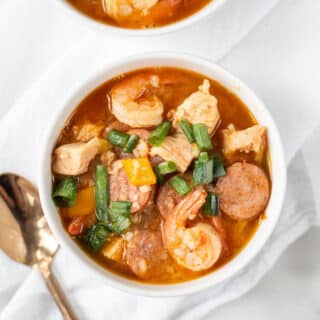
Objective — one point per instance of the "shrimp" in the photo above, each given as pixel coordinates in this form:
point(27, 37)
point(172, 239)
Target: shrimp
point(134, 103)
point(195, 248)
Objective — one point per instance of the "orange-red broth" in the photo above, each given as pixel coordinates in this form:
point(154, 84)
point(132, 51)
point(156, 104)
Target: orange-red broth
point(95, 108)
point(158, 16)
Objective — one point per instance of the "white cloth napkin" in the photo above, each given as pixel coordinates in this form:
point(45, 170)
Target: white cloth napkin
point(278, 59)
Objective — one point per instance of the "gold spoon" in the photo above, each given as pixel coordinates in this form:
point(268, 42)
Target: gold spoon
point(25, 235)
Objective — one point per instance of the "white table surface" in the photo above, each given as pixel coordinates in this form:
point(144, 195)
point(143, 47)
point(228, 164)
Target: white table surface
point(291, 290)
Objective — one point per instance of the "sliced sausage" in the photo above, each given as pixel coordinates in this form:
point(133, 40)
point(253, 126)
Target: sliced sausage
point(167, 199)
point(145, 253)
point(244, 191)
point(122, 190)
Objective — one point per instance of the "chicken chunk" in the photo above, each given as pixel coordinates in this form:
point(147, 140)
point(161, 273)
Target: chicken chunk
point(252, 139)
point(199, 107)
point(177, 149)
point(73, 159)
point(87, 131)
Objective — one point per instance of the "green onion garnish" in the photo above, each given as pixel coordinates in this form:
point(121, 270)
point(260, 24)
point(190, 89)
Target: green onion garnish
point(65, 192)
point(118, 138)
point(211, 207)
point(120, 216)
point(101, 183)
point(180, 185)
point(203, 157)
point(203, 170)
point(202, 137)
point(132, 142)
point(218, 167)
point(166, 167)
point(158, 134)
point(160, 177)
point(97, 236)
point(187, 130)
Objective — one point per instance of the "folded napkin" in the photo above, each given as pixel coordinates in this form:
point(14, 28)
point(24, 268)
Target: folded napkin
point(278, 59)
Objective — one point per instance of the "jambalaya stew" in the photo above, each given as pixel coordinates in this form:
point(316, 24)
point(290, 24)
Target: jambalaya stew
point(138, 14)
point(161, 175)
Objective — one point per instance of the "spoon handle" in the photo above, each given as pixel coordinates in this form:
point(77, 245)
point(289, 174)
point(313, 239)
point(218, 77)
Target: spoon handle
point(57, 294)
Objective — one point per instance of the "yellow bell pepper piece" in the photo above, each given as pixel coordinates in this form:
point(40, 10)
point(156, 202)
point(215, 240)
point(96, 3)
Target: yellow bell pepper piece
point(139, 171)
point(85, 203)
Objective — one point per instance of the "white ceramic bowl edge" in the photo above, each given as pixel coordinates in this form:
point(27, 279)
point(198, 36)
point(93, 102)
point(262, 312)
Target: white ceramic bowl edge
point(90, 82)
point(101, 27)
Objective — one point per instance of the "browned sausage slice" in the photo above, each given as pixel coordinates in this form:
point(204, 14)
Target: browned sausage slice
point(145, 253)
point(167, 199)
point(244, 191)
point(122, 190)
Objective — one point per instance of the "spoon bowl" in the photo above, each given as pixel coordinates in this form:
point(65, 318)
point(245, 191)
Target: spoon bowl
point(25, 235)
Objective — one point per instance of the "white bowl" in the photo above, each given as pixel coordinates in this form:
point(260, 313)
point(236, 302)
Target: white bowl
point(278, 171)
point(99, 26)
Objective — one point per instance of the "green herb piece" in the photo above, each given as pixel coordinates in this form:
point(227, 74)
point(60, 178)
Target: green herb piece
point(166, 167)
point(131, 144)
point(65, 192)
point(180, 185)
point(97, 236)
point(158, 135)
point(160, 177)
point(211, 207)
point(218, 167)
point(186, 127)
point(101, 184)
point(120, 216)
point(203, 170)
point(118, 138)
point(202, 137)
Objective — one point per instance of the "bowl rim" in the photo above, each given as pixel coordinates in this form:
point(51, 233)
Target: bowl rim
point(80, 90)
point(101, 27)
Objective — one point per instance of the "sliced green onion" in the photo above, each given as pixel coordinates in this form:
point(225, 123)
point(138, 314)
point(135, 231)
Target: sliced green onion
point(131, 144)
point(187, 130)
point(203, 170)
point(118, 138)
point(166, 167)
point(202, 137)
point(203, 157)
point(218, 167)
point(101, 183)
point(97, 236)
point(65, 192)
point(120, 216)
point(160, 177)
point(211, 207)
point(158, 134)
point(180, 185)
